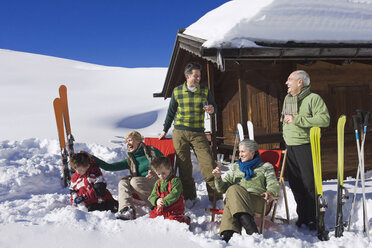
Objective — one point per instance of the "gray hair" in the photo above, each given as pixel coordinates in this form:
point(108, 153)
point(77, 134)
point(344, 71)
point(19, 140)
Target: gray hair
point(251, 145)
point(192, 66)
point(300, 74)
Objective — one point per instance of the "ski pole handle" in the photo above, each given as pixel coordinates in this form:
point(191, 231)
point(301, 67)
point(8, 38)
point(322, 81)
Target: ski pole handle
point(360, 116)
point(356, 120)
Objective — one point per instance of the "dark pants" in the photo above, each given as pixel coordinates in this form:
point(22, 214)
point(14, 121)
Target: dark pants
point(104, 206)
point(239, 200)
point(301, 180)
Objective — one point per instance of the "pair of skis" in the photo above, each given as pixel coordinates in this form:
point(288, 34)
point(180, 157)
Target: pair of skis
point(320, 202)
point(63, 126)
point(240, 136)
point(342, 193)
point(360, 120)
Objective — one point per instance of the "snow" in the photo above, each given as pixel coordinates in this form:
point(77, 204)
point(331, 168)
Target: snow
point(102, 100)
point(35, 209)
point(238, 23)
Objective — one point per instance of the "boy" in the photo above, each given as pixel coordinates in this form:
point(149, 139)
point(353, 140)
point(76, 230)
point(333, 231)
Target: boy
point(167, 195)
point(88, 185)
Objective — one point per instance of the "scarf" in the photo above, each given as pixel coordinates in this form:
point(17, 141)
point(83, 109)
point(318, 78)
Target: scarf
point(290, 106)
point(248, 166)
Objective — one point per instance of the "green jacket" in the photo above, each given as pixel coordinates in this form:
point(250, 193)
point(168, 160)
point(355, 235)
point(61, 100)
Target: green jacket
point(141, 160)
point(173, 196)
point(186, 108)
point(312, 112)
point(264, 180)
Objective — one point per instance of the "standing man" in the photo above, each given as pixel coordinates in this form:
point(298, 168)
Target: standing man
point(187, 108)
point(301, 111)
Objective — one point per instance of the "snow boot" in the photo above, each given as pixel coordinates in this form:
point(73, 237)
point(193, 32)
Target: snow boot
point(247, 221)
point(127, 213)
point(226, 235)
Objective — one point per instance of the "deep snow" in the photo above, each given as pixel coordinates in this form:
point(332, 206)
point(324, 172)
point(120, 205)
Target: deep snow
point(35, 210)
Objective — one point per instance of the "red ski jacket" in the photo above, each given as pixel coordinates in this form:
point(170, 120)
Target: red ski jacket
point(82, 185)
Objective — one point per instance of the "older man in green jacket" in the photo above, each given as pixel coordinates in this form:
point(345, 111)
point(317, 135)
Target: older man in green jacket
point(302, 110)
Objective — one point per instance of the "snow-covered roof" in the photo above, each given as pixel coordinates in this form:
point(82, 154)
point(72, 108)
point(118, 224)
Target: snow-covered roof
point(239, 23)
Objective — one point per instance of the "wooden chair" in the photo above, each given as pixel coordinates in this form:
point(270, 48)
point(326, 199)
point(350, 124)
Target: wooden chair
point(166, 147)
point(277, 158)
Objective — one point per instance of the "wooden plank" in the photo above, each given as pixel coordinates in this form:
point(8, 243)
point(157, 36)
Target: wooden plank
point(213, 117)
point(243, 113)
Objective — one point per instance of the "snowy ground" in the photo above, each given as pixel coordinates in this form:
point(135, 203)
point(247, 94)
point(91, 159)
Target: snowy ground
point(35, 210)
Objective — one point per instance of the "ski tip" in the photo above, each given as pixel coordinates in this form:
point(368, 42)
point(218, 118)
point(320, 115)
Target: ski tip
point(56, 101)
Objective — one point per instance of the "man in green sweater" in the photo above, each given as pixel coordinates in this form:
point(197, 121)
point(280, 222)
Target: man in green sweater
point(187, 108)
point(302, 110)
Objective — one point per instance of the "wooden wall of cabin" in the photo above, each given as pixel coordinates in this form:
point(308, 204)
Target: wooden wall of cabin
point(264, 90)
point(344, 88)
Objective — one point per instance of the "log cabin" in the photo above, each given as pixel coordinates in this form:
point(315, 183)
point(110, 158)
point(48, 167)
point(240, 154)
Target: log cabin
point(249, 84)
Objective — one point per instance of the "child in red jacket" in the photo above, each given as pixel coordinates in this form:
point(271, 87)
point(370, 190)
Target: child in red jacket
point(88, 185)
point(167, 193)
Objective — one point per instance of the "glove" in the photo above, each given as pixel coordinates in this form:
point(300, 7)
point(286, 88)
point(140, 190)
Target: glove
point(99, 189)
point(79, 199)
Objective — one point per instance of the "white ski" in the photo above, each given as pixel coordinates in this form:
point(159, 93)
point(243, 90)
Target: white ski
point(239, 136)
point(250, 130)
point(240, 131)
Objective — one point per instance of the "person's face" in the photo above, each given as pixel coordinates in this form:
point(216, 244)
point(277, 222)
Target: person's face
point(82, 170)
point(193, 79)
point(163, 172)
point(132, 144)
point(244, 154)
point(294, 85)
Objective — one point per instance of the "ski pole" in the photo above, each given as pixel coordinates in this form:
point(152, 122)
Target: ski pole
point(362, 176)
point(356, 121)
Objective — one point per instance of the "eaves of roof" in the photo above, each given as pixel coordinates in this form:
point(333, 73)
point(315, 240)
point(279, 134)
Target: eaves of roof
point(265, 50)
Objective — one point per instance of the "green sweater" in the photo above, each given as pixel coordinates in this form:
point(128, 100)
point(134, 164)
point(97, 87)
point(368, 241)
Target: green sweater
point(264, 180)
point(312, 112)
point(142, 163)
point(173, 196)
point(186, 108)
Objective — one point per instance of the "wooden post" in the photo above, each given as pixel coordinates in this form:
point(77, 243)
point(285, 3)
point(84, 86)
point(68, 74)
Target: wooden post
point(213, 117)
point(243, 113)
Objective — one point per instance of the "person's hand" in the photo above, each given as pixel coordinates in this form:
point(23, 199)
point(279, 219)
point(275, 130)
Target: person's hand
point(160, 202)
point(162, 135)
point(99, 189)
point(151, 174)
point(209, 109)
point(268, 196)
point(289, 119)
point(216, 173)
point(79, 199)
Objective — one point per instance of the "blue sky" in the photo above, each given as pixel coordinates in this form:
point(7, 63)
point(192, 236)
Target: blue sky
point(107, 32)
